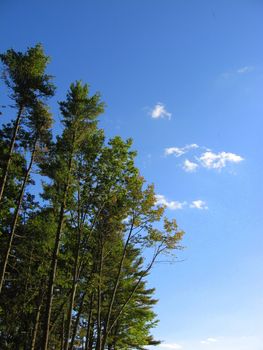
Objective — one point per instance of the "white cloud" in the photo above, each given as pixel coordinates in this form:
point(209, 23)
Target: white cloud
point(212, 340)
point(177, 151)
point(189, 166)
point(174, 150)
point(209, 341)
point(159, 111)
point(173, 346)
point(245, 69)
point(203, 157)
point(198, 204)
point(173, 205)
point(212, 160)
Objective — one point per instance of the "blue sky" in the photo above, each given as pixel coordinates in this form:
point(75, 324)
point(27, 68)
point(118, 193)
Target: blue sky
point(184, 79)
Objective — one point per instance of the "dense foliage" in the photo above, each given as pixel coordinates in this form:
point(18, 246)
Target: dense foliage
point(73, 263)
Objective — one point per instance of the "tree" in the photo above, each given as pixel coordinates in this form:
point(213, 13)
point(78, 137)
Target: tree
point(79, 117)
point(39, 123)
point(24, 75)
point(75, 262)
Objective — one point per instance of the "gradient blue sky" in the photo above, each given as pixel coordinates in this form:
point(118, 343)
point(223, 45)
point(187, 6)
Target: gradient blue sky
point(197, 67)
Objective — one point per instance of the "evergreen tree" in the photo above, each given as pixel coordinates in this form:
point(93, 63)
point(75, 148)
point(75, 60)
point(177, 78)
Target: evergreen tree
point(24, 74)
point(79, 117)
point(74, 266)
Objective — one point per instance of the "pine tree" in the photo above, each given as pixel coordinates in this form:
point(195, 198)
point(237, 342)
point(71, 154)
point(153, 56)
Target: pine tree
point(24, 74)
point(39, 123)
point(79, 117)
point(74, 266)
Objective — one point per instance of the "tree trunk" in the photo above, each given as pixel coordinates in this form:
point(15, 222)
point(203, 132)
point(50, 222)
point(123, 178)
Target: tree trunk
point(11, 149)
point(52, 275)
point(73, 293)
point(54, 262)
point(62, 334)
point(52, 326)
point(89, 328)
point(143, 274)
point(36, 324)
point(75, 329)
point(117, 281)
point(99, 331)
point(91, 337)
point(16, 215)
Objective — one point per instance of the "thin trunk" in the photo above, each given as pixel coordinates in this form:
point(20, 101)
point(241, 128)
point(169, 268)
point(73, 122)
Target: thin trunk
point(36, 323)
point(52, 276)
point(88, 334)
point(54, 262)
point(75, 329)
point(62, 334)
point(91, 338)
point(99, 332)
point(117, 281)
point(69, 315)
point(16, 215)
point(158, 251)
point(73, 292)
point(10, 152)
point(58, 314)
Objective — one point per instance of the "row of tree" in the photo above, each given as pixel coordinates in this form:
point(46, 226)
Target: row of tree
point(77, 222)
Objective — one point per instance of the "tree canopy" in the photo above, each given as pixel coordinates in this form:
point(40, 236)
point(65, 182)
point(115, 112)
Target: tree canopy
point(73, 266)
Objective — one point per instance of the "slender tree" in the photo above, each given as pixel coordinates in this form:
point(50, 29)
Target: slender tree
point(79, 117)
point(24, 74)
point(39, 123)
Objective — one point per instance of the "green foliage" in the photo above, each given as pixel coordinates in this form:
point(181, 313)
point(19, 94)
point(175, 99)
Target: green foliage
point(24, 74)
point(95, 208)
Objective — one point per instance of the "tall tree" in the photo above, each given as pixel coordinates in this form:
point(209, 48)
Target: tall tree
point(74, 264)
point(39, 135)
point(24, 74)
point(79, 117)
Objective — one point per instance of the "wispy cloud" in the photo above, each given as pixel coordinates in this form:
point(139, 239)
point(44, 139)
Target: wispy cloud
point(173, 205)
point(179, 151)
point(189, 166)
point(212, 160)
point(239, 71)
point(159, 111)
point(199, 204)
point(209, 341)
point(173, 346)
point(245, 69)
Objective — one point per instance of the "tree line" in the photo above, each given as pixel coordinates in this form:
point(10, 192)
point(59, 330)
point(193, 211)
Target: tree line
point(79, 227)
